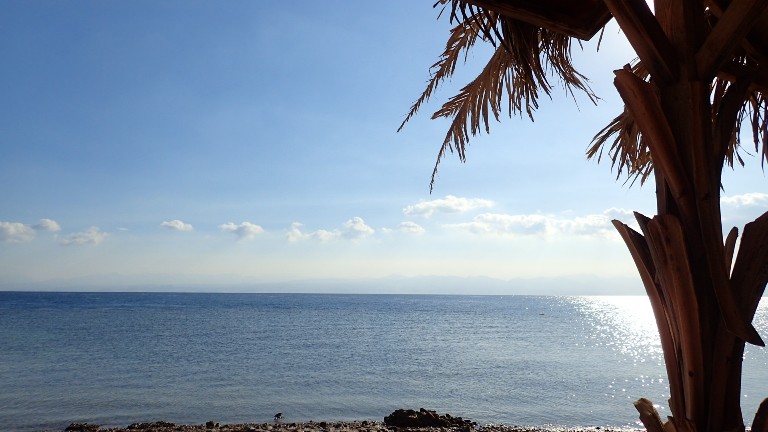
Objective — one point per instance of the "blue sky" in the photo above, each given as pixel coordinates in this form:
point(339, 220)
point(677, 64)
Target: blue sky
point(199, 142)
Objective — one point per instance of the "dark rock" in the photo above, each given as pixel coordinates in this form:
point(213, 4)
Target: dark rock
point(409, 418)
point(210, 425)
point(150, 426)
point(82, 427)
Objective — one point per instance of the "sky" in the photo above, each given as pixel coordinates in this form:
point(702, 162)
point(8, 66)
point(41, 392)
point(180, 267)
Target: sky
point(253, 146)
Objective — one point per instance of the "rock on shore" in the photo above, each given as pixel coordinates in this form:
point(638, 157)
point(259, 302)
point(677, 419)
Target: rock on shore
point(398, 421)
point(357, 426)
point(426, 418)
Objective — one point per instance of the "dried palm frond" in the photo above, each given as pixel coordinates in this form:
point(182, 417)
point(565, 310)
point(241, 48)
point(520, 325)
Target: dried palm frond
point(736, 100)
point(520, 67)
point(630, 155)
point(463, 37)
point(526, 57)
point(734, 104)
point(754, 112)
point(757, 111)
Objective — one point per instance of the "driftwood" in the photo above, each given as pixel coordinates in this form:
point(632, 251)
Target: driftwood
point(649, 415)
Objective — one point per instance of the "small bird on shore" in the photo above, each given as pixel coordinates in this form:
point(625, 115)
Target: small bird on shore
point(278, 416)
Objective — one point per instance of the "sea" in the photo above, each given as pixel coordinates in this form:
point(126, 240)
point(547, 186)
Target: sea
point(119, 358)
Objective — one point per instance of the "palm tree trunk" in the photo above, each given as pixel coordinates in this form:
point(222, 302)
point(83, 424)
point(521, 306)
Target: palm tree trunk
point(703, 310)
point(704, 296)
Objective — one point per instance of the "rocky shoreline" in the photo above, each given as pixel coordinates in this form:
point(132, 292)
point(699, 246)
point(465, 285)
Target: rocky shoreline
point(398, 421)
point(356, 426)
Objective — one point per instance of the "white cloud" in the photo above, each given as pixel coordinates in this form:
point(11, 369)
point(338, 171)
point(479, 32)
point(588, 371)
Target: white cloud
point(449, 204)
point(590, 225)
point(244, 231)
point(92, 235)
point(176, 225)
point(353, 229)
point(505, 225)
point(47, 225)
point(356, 228)
point(325, 235)
point(621, 214)
point(411, 228)
point(747, 199)
point(15, 232)
point(739, 210)
point(500, 224)
point(294, 233)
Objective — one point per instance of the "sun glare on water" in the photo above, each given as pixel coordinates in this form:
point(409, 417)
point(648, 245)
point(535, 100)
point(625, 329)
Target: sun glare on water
point(625, 323)
point(624, 328)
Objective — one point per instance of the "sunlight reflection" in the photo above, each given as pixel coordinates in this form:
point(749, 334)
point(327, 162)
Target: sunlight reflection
point(755, 365)
point(624, 323)
point(625, 326)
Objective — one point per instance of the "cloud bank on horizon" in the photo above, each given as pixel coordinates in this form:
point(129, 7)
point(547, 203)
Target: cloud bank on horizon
point(444, 221)
point(474, 221)
point(480, 223)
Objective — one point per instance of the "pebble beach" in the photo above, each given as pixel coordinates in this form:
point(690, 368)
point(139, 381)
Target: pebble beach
point(358, 426)
point(400, 420)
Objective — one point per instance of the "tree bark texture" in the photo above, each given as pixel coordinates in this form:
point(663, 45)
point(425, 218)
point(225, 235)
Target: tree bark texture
point(703, 300)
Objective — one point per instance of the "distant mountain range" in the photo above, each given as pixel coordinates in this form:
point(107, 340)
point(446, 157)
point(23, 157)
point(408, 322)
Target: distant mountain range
point(565, 285)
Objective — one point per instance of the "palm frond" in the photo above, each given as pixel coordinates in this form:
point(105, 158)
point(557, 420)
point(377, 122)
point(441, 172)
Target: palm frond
point(754, 111)
point(472, 105)
point(738, 101)
point(629, 154)
point(525, 58)
point(463, 37)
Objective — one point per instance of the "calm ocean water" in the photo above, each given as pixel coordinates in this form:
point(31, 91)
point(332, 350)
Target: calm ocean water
point(115, 359)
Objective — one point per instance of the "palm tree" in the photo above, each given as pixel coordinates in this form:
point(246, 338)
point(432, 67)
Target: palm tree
point(701, 74)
